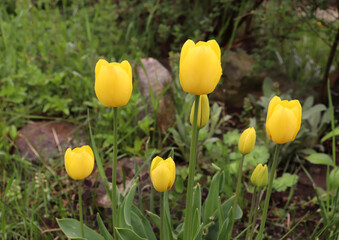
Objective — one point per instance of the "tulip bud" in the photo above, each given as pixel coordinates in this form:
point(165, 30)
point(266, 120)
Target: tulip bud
point(79, 162)
point(162, 173)
point(113, 83)
point(200, 67)
point(247, 141)
point(259, 176)
point(203, 112)
point(283, 120)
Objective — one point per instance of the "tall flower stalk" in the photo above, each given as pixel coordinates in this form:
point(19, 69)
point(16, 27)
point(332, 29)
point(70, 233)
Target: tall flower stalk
point(191, 171)
point(114, 168)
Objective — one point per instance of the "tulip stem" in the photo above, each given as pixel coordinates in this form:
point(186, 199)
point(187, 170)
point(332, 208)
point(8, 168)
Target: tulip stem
point(114, 167)
point(251, 213)
point(237, 192)
point(268, 193)
point(192, 161)
point(162, 216)
point(80, 210)
point(256, 208)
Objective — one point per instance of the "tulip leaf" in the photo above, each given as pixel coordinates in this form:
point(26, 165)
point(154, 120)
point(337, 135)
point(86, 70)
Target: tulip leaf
point(71, 228)
point(155, 218)
point(197, 200)
point(286, 180)
point(311, 111)
point(259, 154)
point(196, 222)
point(125, 208)
point(211, 201)
point(320, 158)
point(127, 234)
point(141, 225)
point(103, 228)
point(198, 234)
point(168, 223)
point(335, 132)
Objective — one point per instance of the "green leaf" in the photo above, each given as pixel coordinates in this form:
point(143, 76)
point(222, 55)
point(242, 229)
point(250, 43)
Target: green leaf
point(330, 134)
point(211, 201)
point(179, 184)
point(71, 228)
point(311, 111)
point(103, 228)
point(155, 218)
point(141, 225)
point(168, 223)
point(127, 234)
point(320, 158)
point(286, 180)
point(125, 208)
point(224, 229)
point(260, 154)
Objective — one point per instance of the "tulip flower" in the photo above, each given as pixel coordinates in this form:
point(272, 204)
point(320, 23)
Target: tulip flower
point(203, 112)
point(283, 120)
point(259, 176)
point(200, 67)
point(247, 141)
point(162, 173)
point(113, 83)
point(79, 162)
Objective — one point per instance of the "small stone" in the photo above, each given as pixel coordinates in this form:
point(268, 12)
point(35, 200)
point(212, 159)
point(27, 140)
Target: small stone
point(155, 77)
point(49, 139)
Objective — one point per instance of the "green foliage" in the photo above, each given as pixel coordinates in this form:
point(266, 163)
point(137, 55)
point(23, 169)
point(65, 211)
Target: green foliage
point(280, 184)
point(71, 228)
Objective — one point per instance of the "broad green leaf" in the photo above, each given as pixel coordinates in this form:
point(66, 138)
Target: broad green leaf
point(311, 111)
point(155, 218)
point(125, 208)
point(128, 234)
point(286, 180)
point(320, 158)
point(260, 154)
point(141, 225)
point(71, 228)
point(103, 228)
point(197, 200)
point(196, 222)
point(198, 235)
point(211, 201)
point(330, 134)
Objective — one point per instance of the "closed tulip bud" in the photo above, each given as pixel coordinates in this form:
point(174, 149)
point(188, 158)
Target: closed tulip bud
point(162, 173)
point(259, 176)
point(200, 67)
point(283, 120)
point(113, 83)
point(203, 112)
point(247, 141)
point(79, 162)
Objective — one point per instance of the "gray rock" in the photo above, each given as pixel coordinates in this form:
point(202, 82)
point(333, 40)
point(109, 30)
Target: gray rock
point(49, 139)
point(156, 78)
point(237, 82)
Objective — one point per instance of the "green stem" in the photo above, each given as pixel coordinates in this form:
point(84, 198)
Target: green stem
point(80, 210)
point(237, 192)
point(114, 168)
point(251, 212)
point(256, 206)
point(193, 158)
point(162, 216)
point(268, 193)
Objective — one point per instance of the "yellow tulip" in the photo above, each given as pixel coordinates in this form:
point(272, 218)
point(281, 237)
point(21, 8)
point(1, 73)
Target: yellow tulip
point(200, 67)
point(247, 141)
point(203, 112)
point(113, 83)
point(79, 162)
point(283, 120)
point(162, 173)
point(259, 176)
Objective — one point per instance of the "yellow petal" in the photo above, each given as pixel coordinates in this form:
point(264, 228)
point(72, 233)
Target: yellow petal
point(113, 86)
point(161, 178)
point(79, 162)
point(282, 125)
point(100, 63)
point(127, 67)
point(273, 103)
point(200, 71)
point(215, 47)
point(155, 162)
